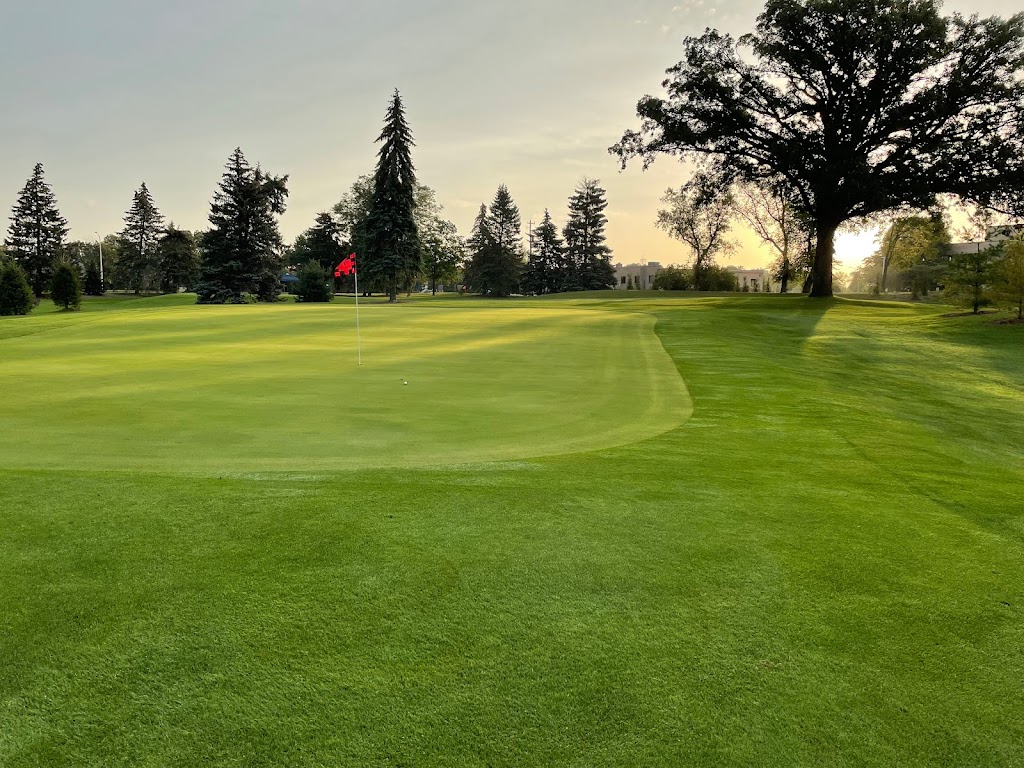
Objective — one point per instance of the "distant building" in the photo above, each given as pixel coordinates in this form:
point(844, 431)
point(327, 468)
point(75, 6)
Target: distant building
point(752, 280)
point(641, 276)
point(993, 237)
point(1005, 232)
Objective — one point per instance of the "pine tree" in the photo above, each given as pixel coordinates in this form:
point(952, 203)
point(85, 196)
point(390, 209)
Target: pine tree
point(589, 259)
point(243, 248)
point(138, 266)
point(545, 272)
point(15, 293)
point(314, 284)
point(37, 231)
point(476, 244)
point(389, 235)
point(321, 243)
point(970, 278)
point(93, 283)
point(178, 260)
point(497, 260)
point(66, 290)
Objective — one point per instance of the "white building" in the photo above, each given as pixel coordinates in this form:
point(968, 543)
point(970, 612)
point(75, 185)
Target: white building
point(753, 280)
point(993, 237)
point(640, 276)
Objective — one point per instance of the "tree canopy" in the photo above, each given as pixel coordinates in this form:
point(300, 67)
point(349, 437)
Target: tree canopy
point(859, 106)
point(701, 218)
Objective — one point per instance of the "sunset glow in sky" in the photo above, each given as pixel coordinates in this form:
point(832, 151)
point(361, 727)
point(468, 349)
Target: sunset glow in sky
point(530, 94)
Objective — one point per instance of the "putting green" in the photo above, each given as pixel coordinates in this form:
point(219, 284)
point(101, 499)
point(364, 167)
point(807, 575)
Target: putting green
point(276, 388)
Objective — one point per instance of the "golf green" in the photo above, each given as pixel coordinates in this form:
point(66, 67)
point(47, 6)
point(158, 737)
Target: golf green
point(254, 388)
point(222, 544)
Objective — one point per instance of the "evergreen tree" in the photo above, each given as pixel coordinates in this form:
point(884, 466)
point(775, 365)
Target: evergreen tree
point(314, 284)
point(476, 244)
point(243, 248)
point(37, 231)
point(589, 259)
point(66, 290)
point(321, 243)
point(391, 250)
point(137, 268)
point(970, 278)
point(545, 272)
point(15, 293)
point(1011, 274)
point(497, 260)
point(93, 283)
point(178, 260)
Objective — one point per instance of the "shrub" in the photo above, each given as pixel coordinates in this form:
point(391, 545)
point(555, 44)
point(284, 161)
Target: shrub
point(718, 278)
point(16, 297)
point(673, 279)
point(314, 284)
point(65, 289)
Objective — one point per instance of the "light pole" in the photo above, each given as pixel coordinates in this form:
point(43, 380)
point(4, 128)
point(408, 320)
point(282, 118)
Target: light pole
point(99, 242)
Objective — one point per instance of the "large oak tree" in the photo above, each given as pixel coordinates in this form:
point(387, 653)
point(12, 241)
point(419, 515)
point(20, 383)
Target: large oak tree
point(859, 105)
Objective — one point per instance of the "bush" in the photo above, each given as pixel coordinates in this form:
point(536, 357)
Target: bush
point(216, 293)
point(16, 297)
point(717, 278)
point(673, 279)
point(314, 285)
point(66, 290)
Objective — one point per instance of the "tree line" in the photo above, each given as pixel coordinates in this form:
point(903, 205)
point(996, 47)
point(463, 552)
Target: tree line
point(915, 255)
point(392, 221)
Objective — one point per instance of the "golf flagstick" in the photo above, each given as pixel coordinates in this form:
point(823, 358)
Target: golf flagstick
point(346, 268)
point(359, 344)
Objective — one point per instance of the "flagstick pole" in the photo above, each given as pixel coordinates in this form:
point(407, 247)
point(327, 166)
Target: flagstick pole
point(359, 345)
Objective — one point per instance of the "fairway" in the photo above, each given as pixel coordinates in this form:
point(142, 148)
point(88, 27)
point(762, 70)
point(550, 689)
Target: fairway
point(222, 544)
point(256, 388)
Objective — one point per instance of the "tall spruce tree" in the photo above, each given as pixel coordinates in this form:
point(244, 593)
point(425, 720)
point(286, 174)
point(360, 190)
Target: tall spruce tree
point(37, 231)
point(391, 250)
point(545, 272)
point(243, 249)
point(178, 259)
point(138, 267)
point(497, 260)
point(589, 259)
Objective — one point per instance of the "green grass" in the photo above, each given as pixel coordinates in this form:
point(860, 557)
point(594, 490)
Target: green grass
point(822, 565)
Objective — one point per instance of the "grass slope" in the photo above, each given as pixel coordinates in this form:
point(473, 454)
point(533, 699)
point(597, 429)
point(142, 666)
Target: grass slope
point(823, 566)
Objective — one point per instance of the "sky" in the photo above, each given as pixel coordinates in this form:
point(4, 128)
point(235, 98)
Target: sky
point(112, 93)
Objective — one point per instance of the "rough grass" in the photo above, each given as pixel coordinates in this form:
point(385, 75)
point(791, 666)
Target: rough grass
point(823, 566)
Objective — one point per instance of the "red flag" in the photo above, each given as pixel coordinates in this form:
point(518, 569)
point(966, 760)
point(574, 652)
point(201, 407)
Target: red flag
point(347, 267)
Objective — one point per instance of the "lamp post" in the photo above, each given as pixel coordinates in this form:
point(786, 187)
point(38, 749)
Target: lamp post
point(99, 242)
